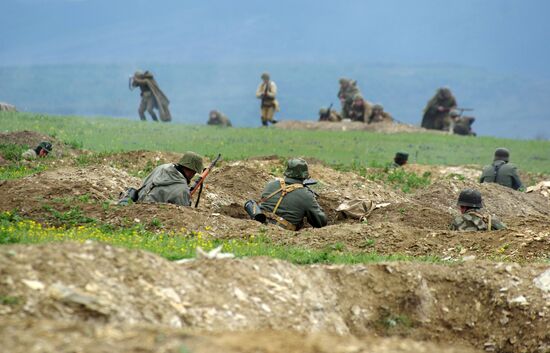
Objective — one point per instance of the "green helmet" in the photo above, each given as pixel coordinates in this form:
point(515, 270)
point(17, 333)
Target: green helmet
point(343, 81)
point(502, 154)
point(297, 169)
point(265, 76)
point(454, 113)
point(323, 111)
point(378, 107)
point(192, 161)
point(358, 97)
point(470, 198)
point(45, 145)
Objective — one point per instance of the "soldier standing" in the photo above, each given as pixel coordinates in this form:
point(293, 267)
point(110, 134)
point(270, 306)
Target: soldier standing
point(267, 91)
point(471, 217)
point(501, 172)
point(437, 111)
point(348, 90)
point(152, 96)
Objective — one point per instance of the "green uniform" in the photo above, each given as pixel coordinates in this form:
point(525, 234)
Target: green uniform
point(360, 112)
point(295, 205)
point(475, 220)
point(501, 173)
point(434, 118)
point(393, 165)
point(152, 97)
point(463, 126)
point(219, 119)
point(165, 184)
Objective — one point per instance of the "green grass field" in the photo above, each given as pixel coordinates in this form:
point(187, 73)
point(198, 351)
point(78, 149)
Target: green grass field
point(349, 148)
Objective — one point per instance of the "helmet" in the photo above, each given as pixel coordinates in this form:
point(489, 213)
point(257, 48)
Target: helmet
point(454, 113)
point(378, 107)
point(192, 161)
point(323, 111)
point(404, 156)
point(296, 168)
point(444, 92)
point(470, 198)
point(343, 81)
point(265, 76)
point(45, 145)
point(502, 154)
point(358, 97)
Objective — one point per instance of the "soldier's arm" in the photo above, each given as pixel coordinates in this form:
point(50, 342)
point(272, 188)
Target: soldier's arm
point(259, 91)
point(272, 91)
point(496, 224)
point(516, 181)
point(315, 215)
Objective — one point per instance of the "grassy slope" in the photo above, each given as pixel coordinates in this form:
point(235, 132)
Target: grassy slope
point(345, 148)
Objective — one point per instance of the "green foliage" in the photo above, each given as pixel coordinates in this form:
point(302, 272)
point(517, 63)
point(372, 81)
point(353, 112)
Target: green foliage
point(12, 152)
point(346, 149)
point(17, 171)
point(402, 179)
point(179, 244)
point(74, 144)
point(9, 300)
point(72, 217)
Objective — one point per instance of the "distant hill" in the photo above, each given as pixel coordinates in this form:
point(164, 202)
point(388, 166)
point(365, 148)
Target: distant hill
point(505, 106)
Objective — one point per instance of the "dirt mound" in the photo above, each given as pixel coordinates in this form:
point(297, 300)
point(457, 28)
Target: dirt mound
point(58, 337)
point(97, 182)
point(500, 307)
point(384, 127)
point(32, 139)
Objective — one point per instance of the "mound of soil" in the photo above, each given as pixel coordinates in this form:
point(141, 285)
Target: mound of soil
point(64, 337)
point(33, 138)
point(384, 127)
point(492, 306)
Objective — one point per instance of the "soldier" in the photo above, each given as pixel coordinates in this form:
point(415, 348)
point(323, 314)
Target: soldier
point(169, 183)
point(41, 151)
point(287, 201)
point(378, 115)
point(218, 118)
point(151, 96)
point(400, 159)
point(501, 172)
point(472, 218)
point(436, 113)
point(348, 90)
point(267, 91)
point(463, 125)
point(360, 110)
point(334, 116)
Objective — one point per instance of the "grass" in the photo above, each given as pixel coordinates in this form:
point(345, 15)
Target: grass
point(17, 171)
point(346, 148)
point(180, 244)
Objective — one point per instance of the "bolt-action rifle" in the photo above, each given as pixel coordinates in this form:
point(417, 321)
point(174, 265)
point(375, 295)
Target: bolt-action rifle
point(198, 184)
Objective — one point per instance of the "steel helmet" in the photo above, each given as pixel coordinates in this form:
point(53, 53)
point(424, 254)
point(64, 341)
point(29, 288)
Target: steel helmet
point(192, 161)
point(297, 169)
point(470, 198)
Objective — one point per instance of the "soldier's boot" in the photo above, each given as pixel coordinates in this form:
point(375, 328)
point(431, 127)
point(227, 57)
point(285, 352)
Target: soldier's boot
point(274, 121)
point(142, 115)
point(153, 115)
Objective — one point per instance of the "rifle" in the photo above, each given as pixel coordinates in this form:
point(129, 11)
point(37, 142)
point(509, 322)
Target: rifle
point(326, 116)
point(198, 184)
point(462, 110)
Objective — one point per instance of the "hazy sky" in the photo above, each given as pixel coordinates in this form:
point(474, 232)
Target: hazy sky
point(509, 36)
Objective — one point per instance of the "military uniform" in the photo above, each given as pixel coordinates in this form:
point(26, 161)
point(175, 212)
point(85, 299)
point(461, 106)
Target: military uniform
point(360, 110)
point(475, 220)
point(219, 119)
point(42, 150)
point(348, 90)
point(463, 126)
point(167, 183)
point(267, 92)
point(152, 97)
point(287, 201)
point(378, 115)
point(501, 173)
point(435, 118)
point(334, 116)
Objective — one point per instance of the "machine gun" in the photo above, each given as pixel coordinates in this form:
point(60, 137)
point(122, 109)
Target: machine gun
point(198, 184)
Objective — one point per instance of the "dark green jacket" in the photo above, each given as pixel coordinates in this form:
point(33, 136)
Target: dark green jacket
point(295, 205)
point(474, 220)
point(167, 185)
point(501, 173)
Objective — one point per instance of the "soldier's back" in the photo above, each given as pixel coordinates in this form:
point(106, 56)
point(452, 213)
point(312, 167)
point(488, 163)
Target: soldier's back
point(472, 221)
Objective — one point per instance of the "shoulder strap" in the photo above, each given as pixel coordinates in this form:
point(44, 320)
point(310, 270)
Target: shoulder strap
point(284, 189)
point(496, 169)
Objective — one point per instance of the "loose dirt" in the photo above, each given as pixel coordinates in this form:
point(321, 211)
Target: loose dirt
point(482, 305)
point(383, 127)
